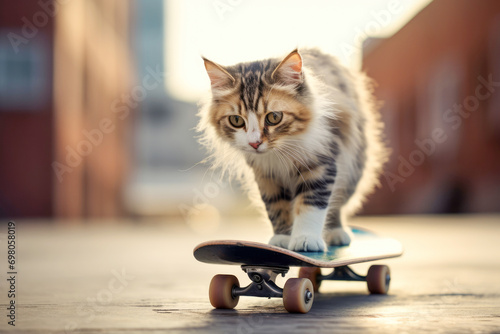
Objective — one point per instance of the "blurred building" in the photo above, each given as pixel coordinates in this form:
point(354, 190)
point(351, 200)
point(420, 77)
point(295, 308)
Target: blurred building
point(163, 142)
point(439, 80)
point(64, 91)
point(166, 177)
point(26, 110)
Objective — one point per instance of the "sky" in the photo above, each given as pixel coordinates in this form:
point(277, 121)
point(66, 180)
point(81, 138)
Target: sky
point(233, 31)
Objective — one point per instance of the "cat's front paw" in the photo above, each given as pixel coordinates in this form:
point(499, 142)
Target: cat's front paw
point(307, 243)
point(280, 240)
point(340, 236)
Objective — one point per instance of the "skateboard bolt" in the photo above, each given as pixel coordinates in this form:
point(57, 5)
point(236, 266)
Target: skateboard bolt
point(308, 296)
point(257, 278)
point(259, 287)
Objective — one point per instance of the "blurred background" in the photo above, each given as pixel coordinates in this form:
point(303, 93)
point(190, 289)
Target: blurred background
point(98, 100)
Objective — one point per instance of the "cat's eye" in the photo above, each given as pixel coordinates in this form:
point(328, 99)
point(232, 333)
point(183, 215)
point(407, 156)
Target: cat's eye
point(274, 117)
point(236, 121)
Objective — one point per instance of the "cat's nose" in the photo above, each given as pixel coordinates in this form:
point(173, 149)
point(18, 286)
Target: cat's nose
point(255, 145)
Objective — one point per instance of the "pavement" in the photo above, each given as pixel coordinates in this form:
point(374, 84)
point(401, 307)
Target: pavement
point(141, 277)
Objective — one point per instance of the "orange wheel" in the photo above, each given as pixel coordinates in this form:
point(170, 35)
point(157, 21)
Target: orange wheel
point(221, 291)
point(298, 295)
point(312, 274)
point(378, 279)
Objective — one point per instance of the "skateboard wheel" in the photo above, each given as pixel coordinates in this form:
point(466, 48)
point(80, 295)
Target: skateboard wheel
point(378, 279)
point(312, 274)
point(298, 295)
point(221, 291)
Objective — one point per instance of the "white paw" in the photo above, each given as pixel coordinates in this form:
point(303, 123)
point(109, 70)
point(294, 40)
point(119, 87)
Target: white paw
point(280, 240)
point(307, 243)
point(339, 236)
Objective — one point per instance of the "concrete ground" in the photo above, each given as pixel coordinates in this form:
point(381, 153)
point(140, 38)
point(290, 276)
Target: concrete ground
point(107, 277)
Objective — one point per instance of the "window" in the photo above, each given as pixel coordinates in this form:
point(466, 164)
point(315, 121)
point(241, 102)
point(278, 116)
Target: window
point(444, 90)
point(24, 76)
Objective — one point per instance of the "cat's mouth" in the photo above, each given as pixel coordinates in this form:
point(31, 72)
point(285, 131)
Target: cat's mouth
point(258, 151)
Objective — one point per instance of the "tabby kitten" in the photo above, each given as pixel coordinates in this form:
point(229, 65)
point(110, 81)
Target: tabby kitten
point(305, 131)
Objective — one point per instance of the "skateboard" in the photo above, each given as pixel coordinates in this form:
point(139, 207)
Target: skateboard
point(263, 263)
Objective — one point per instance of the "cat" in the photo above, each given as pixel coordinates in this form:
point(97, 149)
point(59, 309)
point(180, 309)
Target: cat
point(305, 133)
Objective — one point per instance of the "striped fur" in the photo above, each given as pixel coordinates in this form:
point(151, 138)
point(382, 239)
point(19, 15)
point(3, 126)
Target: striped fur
point(317, 164)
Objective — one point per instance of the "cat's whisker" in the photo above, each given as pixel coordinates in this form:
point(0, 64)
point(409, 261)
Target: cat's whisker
point(297, 148)
point(276, 155)
point(308, 153)
point(283, 163)
point(305, 183)
point(282, 160)
point(291, 162)
point(292, 141)
point(286, 154)
point(204, 174)
point(296, 155)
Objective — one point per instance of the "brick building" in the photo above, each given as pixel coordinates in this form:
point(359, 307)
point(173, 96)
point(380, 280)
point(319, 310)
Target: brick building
point(62, 65)
point(439, 80)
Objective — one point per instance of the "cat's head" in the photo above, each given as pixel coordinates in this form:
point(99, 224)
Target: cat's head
point(257, 106)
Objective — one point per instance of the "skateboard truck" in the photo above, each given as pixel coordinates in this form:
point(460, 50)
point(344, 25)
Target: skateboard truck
point(343, 273)
point(377, 279)
point(297, 294)
point(263, 282)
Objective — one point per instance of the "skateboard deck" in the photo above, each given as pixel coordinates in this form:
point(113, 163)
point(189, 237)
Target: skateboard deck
point(365, 246)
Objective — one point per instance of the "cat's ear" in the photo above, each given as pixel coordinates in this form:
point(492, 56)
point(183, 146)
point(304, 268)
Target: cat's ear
point(220, 78)
point(289, 71)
